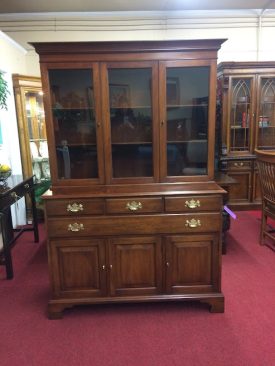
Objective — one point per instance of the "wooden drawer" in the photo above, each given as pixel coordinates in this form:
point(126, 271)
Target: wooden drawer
point(192, 204)
point(135, 224)
point(74, 207)
point(134, 205)
point(236, 165)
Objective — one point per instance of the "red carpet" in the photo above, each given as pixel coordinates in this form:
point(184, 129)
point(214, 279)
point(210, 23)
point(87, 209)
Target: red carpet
point(174, 334)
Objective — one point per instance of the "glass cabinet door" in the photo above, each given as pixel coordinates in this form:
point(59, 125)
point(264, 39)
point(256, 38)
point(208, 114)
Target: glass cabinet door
point(265, 126)
point(37, 135)
point(184, 121)
point(240, 115)
point(130, 121)
point(75, 123)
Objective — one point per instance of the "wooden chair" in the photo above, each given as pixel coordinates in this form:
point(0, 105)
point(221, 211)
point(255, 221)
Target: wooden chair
point(266, 165)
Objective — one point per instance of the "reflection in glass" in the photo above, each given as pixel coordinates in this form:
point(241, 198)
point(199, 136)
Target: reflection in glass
point(131, 122)
point(74, 123)
point(240, 115)
point(187, 98)
point(266, 122)
point(37, 134)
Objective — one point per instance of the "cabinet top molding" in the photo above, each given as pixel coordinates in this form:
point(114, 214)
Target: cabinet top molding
point(43, 48)
point(235, 65)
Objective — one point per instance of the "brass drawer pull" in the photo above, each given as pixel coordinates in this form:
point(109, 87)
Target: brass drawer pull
point(238, 164)
point(75, 207)
point(134, 206)
point(75, 227)
point(193, 223)
point(192, 204)
point(14, 196)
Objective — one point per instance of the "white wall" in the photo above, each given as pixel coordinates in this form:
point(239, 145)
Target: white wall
point(249, 32)
point(12, 60)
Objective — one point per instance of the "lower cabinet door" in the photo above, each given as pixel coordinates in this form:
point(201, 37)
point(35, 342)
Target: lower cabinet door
point(241, 192)
point(78, 268)
point(135, 266)
point(192, 264)
point(257, 194)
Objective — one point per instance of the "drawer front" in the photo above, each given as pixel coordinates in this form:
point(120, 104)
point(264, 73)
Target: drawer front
point(134, 205)
point(237, 165)
point(74, 207)
point(136, 224)
point(192, 204)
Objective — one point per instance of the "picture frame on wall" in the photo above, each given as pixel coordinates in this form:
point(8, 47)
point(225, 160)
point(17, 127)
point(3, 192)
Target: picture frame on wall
point(172, 91)
point(119, 95)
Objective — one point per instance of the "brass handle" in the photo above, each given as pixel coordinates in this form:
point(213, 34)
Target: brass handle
point(193, 223)
point(103, 267)
point(167, 264)
point(238, 164)
point(75, 207)
point(14, 196)
point(75, 227)
point(192, 204)
point(134, 206)
point(111, 266)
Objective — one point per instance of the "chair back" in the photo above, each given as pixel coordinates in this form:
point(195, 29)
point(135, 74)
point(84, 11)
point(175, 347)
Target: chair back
point(266, 165)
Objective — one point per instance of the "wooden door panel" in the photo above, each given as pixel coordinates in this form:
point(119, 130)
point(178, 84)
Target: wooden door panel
point(257, 195)
point(191, 263)
point(242, 190)
point(135, 266)
point(79, 267)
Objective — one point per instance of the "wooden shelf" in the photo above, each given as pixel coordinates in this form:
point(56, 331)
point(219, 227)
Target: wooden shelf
point(76, 145)
point(132, 143)
point(186, 106)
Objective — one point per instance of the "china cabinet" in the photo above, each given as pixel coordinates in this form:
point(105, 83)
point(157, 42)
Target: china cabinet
point(246, 92)
point(32, 131)
point(134, 213)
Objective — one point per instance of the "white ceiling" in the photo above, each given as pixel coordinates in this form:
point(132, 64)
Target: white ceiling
point(38, 6)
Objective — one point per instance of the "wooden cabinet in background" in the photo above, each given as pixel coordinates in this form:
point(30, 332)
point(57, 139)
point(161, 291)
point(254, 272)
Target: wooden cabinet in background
point(134, 213)
point(246, 93)
point(32, 131)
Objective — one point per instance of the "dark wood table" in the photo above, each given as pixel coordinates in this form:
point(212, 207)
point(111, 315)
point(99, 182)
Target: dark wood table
point(15, 188)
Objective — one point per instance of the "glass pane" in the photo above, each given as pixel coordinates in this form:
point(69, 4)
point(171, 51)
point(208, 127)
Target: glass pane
point(240, 115)
point(74, 123)
point(266, 123)
point(187, 97)
point(37, 134)
point(131, 122)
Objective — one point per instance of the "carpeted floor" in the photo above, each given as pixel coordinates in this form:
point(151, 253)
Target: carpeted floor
point(173, 334)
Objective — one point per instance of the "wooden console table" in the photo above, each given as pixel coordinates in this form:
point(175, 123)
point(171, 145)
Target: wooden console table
point(15, 189)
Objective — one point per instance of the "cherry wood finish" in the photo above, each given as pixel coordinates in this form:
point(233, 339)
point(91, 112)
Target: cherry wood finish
point(246, 95)
point(134, 213)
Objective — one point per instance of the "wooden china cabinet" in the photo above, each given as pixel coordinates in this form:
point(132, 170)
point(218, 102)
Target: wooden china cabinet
point(134, 213)
point(246, 92)
point(32, 134)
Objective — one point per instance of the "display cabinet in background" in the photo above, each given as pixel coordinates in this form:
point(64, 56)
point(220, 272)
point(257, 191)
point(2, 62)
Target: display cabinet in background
point(246, 93)
point(32, 131)
point(134, 213)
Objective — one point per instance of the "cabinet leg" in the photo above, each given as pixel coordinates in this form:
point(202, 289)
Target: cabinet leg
point(55, 311)
point(216, 305)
